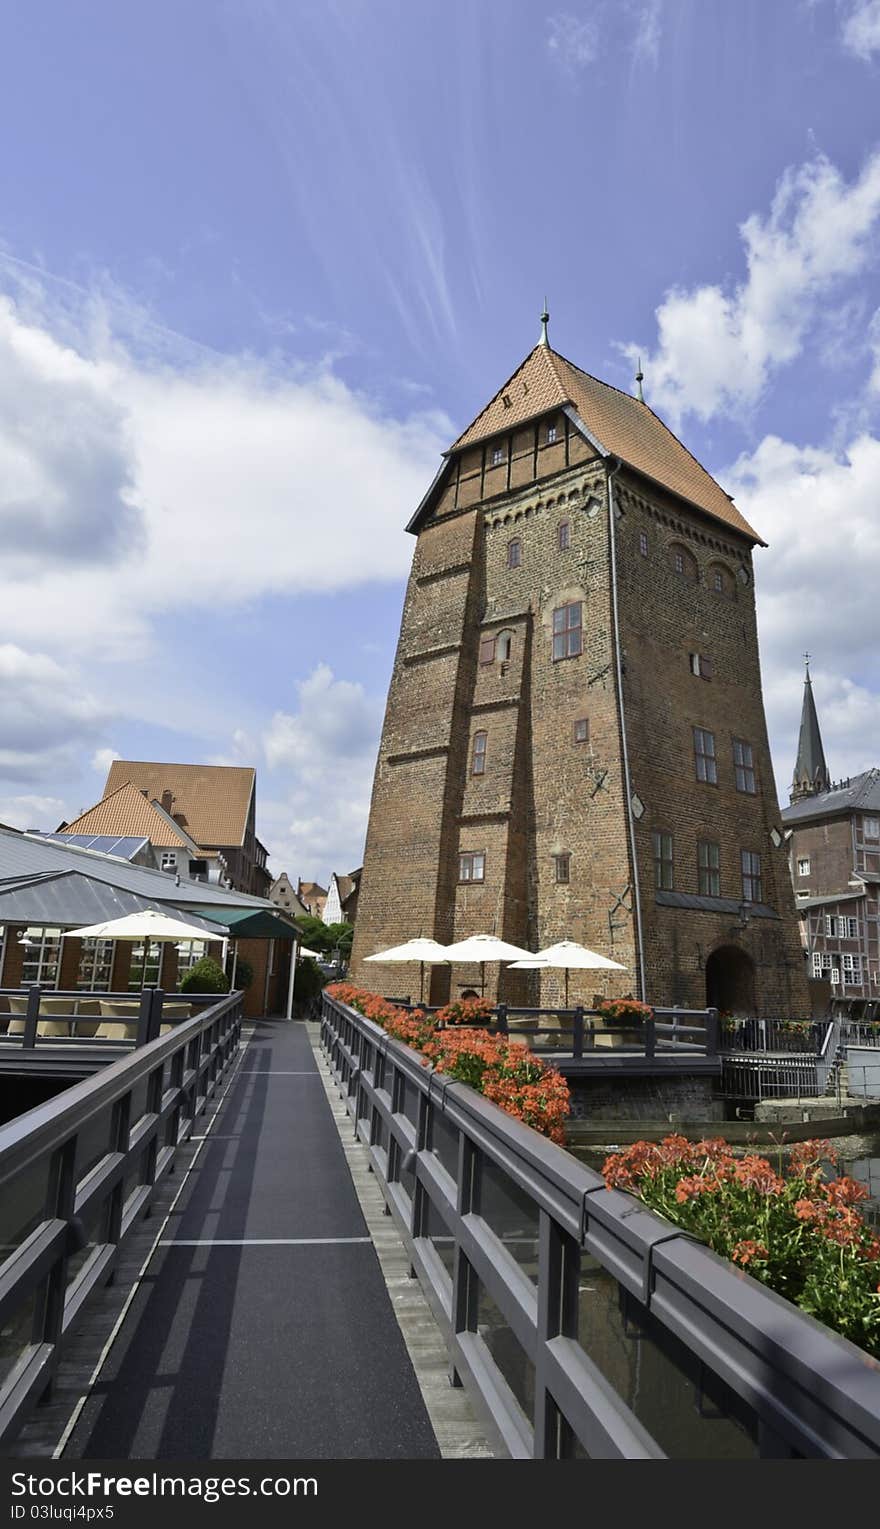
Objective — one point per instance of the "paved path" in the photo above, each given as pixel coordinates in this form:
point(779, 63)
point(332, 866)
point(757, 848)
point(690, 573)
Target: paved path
point(263, 1327)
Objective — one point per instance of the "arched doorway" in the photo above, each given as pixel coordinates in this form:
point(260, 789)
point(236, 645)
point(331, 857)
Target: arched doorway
point(730, 981)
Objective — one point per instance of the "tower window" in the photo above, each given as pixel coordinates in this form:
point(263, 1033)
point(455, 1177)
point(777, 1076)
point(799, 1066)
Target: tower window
point(744, 766)
point(704, 756)
point(497, 455)
point(751, 876)
point(803, 867)
point(567, 630)
point(503, 644)
point(701, 665)
point(562, 867)
point(663, 862)
point(643, 543)
point(472, 867)
point(684, 563)
point(718, 581)
point(478, 756)
point(514, 553)
point(563, 535)
point(582, 730)
point(871, 828)
point(551, 434)
point(487, 650)
point(709, 868)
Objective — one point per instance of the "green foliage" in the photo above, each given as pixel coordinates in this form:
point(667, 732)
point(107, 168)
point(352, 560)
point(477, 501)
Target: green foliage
point(205, 977)
point(308, 982)
point(315, 933)
point(340, 935)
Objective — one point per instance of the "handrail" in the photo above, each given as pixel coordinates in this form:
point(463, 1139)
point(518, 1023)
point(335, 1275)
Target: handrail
point(72, 1207)
point(539, 1332)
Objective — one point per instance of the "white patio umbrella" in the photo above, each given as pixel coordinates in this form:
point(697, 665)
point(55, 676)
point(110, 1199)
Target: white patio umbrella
point(426, 952)
point(480, 948)
point(149, 925)
point(315, 955)
point(568, 955)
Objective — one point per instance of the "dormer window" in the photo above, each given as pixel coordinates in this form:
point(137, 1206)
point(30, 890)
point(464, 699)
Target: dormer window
point(551, 434)
point(497, 455)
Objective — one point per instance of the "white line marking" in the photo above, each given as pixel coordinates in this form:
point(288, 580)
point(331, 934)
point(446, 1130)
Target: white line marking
point(258, 1242)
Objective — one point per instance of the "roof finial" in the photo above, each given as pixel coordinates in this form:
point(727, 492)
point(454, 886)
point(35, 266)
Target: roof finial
point(640, 377)
point(807, 662)
point(545, 320)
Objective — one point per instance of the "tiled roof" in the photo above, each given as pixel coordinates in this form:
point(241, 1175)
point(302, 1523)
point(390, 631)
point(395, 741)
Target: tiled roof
point(619, 423)
point(214, 800)
point(127, 811)
point(859, 794)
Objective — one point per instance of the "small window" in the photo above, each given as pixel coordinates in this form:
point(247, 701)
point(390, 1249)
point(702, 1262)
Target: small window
point(497, 455)
point(718, 581)
point(817, 963)
point(684, 563)
point(871, 828)
point(503, 644)
point(852, 928)
point(852, 971)
point(832, 925)
point(472, 867)
point(487, 650)
point(744, 766)
point(514, 553)
point(704, 756)
point(803, 867)
point(551, 434)
point(169, 861)
point(643, 543)
point(663, 862)
point(751, 876)
point(709, 868)
point(701, 665)
point(582, 730)
point(562, 867)
point(478, 755)
point(567, 630)
point(563, 535)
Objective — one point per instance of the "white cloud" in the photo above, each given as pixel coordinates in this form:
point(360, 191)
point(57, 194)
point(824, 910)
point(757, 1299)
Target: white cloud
point(46, 716)
point(102, 759)
point(718, 347)
point(817, 592)
point(200, 478)
point(31, 811)
point(648, 24)
point(572, 41)
point(316, 804)
point(861, 29)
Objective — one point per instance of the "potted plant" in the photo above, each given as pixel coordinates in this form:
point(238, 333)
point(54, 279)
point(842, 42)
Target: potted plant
point(627, 1012)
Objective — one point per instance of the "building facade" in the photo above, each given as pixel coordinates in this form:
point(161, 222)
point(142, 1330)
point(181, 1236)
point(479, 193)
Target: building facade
point(574, 742)
point(834, 856)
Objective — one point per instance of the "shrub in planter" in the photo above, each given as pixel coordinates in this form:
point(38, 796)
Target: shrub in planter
point(206, 976)
point(308, 981)
point(796, 1230)
point(244, 973)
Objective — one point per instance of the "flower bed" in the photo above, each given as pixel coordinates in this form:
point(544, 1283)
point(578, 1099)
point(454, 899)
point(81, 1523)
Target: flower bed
point(511, 1076)
point(796, 1230)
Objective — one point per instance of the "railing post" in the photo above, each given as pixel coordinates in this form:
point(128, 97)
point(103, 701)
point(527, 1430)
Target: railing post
point(650, 1036)
point(29, 1038)
point(501, 1018)
point(49, 1305)
point(145, 1016)
point(558, 1280)
point(712, 1032)
point(465, 1286)
point(578, 1032)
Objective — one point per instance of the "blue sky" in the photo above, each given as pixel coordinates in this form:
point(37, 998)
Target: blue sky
point(260, 262)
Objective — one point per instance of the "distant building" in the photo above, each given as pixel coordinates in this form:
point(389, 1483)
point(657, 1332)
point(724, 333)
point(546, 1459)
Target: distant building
point(834, 855)
point(283, 894)
point(215, 805)
point(342, 894)
point(313, 896)
point(129, 812)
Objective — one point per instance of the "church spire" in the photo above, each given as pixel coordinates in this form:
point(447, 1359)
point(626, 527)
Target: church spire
point(810, 771)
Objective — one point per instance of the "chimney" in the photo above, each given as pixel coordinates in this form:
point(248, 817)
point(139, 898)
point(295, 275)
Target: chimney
point(167, 799)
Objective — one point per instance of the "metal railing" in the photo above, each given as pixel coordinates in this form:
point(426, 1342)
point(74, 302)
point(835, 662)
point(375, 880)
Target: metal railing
point(804, 1037)
point(77, 1171)
point(583, 1325)
point(580, 1032)
point(39, 1025)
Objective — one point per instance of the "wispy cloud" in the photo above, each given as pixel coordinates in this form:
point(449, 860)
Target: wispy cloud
point(572, 41)
point(647, 16)
point(719, 347)
point(861, 29)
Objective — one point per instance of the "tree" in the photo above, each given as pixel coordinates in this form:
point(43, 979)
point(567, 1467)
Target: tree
point(315, 933)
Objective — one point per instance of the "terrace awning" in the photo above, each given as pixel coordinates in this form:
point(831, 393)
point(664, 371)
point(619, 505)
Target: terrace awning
point(250, 923)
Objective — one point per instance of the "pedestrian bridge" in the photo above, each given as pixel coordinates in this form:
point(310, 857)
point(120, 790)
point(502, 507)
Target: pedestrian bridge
point(578, 1324)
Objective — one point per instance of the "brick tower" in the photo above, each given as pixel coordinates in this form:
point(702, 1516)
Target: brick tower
point(574, 742)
